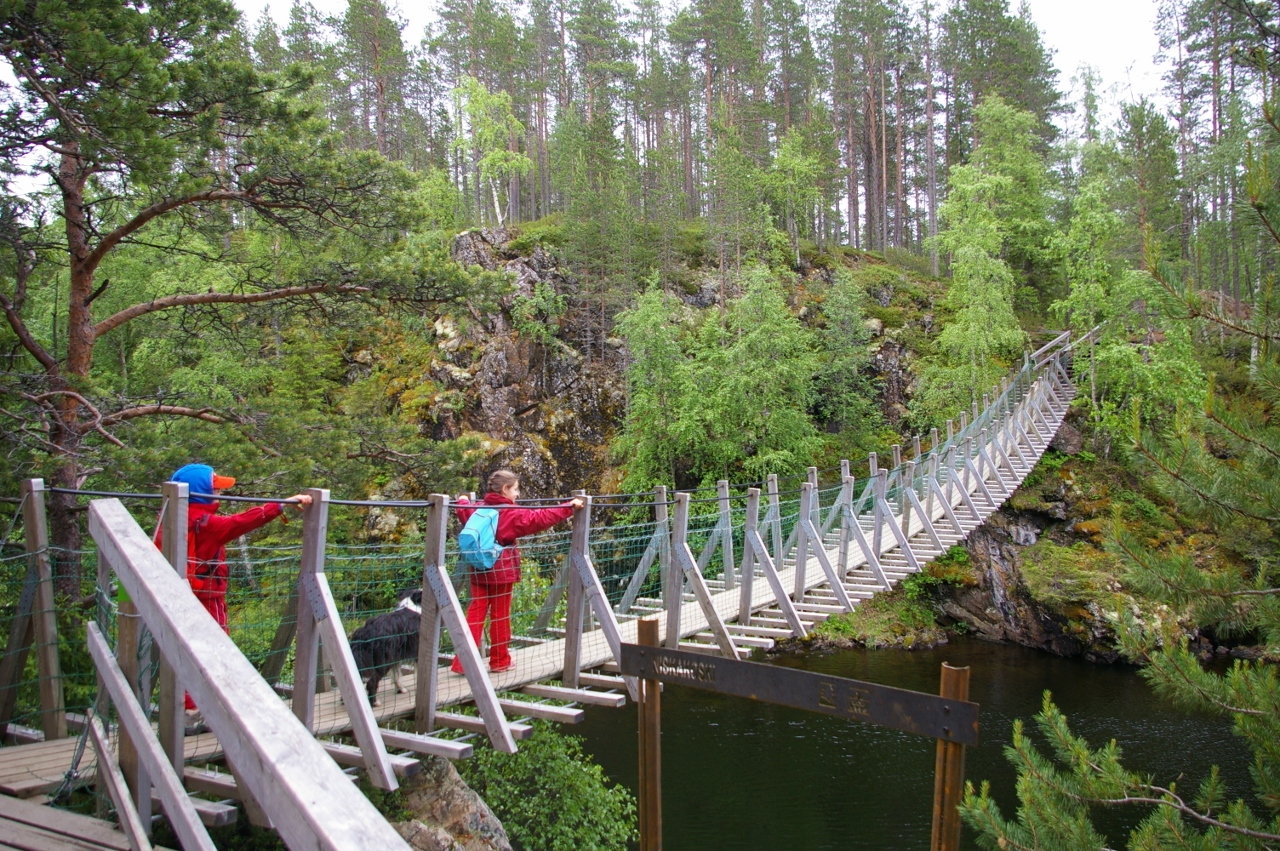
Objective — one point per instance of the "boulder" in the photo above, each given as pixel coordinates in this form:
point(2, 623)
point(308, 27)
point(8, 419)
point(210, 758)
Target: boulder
point(448, 815)
point(1068, 440)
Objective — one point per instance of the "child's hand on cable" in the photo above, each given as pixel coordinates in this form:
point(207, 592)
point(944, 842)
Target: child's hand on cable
point(300, 500)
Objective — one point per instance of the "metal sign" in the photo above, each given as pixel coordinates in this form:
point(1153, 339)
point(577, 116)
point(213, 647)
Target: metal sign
point(941, 718)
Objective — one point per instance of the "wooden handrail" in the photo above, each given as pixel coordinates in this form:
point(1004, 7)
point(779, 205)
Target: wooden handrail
point(303, 791)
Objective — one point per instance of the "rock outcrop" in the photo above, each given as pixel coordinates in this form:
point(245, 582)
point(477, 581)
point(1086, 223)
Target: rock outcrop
point(999, 607)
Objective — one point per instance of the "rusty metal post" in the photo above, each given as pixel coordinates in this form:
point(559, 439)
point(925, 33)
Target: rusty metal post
point(650, 749)
point(948, 784)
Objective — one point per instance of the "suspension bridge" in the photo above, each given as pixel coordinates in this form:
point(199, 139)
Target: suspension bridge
point(727, 574)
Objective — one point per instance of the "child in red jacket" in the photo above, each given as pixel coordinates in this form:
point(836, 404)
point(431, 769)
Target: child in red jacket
point(491, 589)
point(209, 532)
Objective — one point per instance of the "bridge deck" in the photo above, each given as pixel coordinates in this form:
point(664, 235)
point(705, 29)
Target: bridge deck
point(27, 826)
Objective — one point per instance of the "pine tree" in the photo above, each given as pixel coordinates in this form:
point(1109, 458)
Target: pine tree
point(1220, 462)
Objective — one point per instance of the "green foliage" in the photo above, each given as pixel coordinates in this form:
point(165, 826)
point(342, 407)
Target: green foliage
point(1057, 795)
point(986, 208)
point(538, 316)
point(712, 401)
point(547, 232)
point(1216, 458)
point(893, 619)
point(549, 795)
point(1059, 576)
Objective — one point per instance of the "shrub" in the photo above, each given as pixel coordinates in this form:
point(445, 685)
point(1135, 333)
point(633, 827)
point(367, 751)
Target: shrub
point(550, 796)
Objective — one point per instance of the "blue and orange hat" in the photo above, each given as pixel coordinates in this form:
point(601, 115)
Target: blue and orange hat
point(201, 479)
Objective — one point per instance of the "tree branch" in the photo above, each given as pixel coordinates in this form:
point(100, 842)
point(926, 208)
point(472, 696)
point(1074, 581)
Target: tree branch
point(117, 319)
point(48, 361)
point(133, 413)
point(147, 214)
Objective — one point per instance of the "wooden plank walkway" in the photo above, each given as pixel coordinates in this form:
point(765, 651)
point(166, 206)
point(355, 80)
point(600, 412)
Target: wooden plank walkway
point(1021, 436)
point(31, 827)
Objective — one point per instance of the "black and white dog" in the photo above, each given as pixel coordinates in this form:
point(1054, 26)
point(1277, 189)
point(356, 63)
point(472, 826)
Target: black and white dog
point(386, 640)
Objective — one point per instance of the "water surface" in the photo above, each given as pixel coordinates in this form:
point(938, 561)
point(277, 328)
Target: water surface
point(744, 775)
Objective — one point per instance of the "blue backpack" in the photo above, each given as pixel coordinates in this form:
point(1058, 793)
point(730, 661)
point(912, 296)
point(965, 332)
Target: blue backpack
point(477, 542)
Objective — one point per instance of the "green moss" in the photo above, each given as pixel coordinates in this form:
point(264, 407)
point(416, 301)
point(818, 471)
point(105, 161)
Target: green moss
point(1059, 576)
point(886, 620)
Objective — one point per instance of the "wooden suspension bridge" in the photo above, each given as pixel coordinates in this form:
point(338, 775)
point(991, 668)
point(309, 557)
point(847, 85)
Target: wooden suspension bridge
point(282, 766)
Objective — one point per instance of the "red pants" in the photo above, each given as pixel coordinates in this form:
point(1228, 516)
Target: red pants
point(216, 606)
point(495, 602)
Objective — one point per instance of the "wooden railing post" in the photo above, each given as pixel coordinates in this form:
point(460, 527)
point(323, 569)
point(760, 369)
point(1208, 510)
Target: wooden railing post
point(726, 535)
point(441, 607)
point(694, 579)
point(306, 658)
point(53, 711)
point(676, 580)
point(576, 607)
point(21, 636)
point(173, 540)
point(427, 682)
point(908, 482)
point(948, 785)
point(846, 512)
point(802, 540)
point(131, 763)
point(650, 711)
point(750, 528)
point(878, 512)
point(775, 508)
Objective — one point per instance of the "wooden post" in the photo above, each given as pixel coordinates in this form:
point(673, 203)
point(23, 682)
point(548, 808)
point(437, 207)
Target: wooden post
point(131, 764)
point(775, 508)
point(577, 597)
point(427, 681)
point(273, 665)
point(915, 447)
point(904, 505)
point(802, 540)
point(881, 487)
point(173, 540)
point(948, 784)
point(315, 526)
point(846, 512)
point(726, 534)
point(750, 527)
point(951, 429)
point(650, 712)
point(897, 456)
point(53, 712)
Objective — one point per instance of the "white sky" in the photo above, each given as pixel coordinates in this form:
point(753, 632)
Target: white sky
point(1115, 36)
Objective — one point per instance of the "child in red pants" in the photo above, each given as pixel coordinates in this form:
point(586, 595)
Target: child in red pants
point(491, 589)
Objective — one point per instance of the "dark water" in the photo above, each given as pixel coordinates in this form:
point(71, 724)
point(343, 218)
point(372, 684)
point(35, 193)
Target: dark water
point(744, 775)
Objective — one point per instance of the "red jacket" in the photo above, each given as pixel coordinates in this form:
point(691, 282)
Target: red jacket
point(211, 531)
point(513, 523)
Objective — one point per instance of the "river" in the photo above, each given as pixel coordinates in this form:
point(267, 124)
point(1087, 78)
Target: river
point(739, 774)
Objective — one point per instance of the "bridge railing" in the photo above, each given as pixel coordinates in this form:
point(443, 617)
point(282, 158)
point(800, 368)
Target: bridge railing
point(275, 758)
point(634, 561)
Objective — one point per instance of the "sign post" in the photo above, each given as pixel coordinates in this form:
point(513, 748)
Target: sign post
point(650, 749)
point(948, 717)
